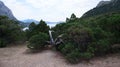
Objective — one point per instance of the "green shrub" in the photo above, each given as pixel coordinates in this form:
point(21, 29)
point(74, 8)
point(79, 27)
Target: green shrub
point(35, 29)
point(61, 46)
point(10, 31)
point(2, 43)
point(86, 55)
point(38, 41)
point(73, 56)
point(115, 48)
point(90, 36)
point(68, 48)
point(101, 46)
point(91, 49)
point(80, 36)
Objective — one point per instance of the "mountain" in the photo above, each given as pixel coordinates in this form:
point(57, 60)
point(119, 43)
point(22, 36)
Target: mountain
point(104, 7)
point(5, 11)
point(28, 21)
point(102, 3)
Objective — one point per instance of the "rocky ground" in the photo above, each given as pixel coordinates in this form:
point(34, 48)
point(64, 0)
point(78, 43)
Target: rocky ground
point(20, 56)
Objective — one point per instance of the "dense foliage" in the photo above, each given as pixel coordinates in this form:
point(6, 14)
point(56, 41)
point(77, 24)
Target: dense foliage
point(35, 29)
point(10, 31)
point(38, 41)
point(85, 38)
point(37, 34)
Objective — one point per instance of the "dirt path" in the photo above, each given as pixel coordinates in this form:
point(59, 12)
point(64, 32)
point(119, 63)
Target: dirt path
point(18, 56)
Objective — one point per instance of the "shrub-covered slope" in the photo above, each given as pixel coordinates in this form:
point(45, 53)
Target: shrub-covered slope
point(88, 37)
point(112, 6)
point(10, 31)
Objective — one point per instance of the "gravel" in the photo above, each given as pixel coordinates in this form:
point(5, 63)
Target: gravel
point(21, 56)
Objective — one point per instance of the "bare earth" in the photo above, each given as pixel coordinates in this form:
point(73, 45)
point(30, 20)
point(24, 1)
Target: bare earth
point(19, 56)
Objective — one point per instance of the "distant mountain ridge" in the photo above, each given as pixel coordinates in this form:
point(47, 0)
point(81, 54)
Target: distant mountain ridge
point(104, 7)
point(28, 21)
point(5, 11)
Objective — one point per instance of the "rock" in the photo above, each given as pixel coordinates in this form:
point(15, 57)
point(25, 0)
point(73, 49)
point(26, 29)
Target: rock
point(5, 11)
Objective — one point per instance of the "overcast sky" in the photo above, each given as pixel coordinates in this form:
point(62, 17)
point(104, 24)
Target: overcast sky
point(49, 10)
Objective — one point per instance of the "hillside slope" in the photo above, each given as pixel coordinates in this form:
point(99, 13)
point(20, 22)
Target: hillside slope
point(104, 7)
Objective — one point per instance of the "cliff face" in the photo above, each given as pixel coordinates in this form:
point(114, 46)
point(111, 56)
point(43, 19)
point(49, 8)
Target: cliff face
point(104, 7)
point(5, 11)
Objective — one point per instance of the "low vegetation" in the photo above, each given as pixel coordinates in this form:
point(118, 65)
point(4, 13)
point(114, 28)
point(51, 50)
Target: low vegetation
point(88, 37)
point(37, 35)
point(83, 38)
point(38, 41)
point(10, 31)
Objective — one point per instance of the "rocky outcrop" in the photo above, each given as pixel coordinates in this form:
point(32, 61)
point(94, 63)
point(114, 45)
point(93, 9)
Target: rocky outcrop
point(5, 11)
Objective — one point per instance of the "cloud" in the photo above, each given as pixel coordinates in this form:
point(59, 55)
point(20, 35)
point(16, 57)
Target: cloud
point(42, 3)
point(60, 9)
point(49, 10)
point(19, 9)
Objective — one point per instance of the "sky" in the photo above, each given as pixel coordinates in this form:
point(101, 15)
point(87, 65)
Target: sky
point(49, 10)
